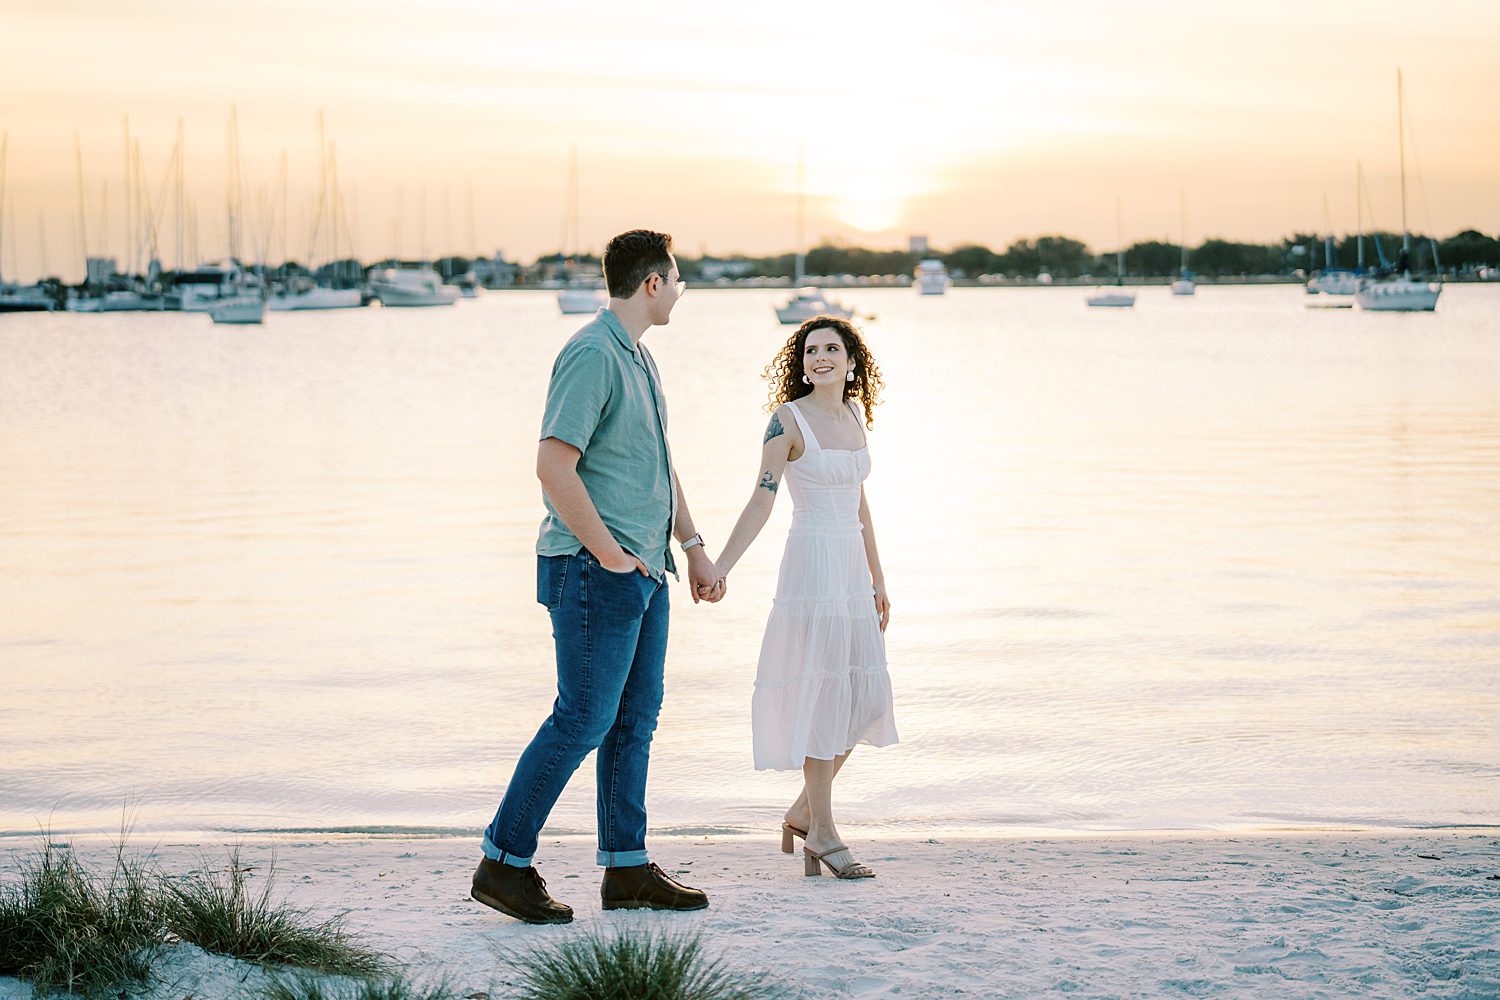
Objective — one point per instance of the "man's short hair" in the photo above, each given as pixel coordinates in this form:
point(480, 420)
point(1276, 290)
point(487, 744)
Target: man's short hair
point(630, 257)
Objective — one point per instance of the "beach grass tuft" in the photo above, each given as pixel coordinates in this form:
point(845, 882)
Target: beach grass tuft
point(69, 928)
point(219, 911)
point(387, 988)
point(640, 965)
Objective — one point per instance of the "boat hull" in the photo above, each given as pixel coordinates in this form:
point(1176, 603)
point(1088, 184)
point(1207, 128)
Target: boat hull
point(797, 313)
point(317, 298)
point(1333, 283)
point(239, 310)
point(579, 301)
point(1398, 296)
point(1111, 300)
point(409, 298)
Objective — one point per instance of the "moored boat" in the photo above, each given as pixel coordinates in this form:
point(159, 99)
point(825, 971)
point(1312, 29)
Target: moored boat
point(248, 308)
point(931, 277)
point(578, 300)
point(411, 285)
point(806, 303)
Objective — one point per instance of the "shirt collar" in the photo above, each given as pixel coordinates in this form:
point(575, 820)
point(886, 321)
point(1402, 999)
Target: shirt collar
point(617, 328)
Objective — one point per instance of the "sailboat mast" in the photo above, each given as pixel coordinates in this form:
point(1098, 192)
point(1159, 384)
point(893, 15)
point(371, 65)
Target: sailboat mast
point(801, 262)
point(181, 200)
point(1119, 246)
point(1327, 234)
point(334, 199)
point(1359, 210)
point(1182, 224)
point(473, 242)
point(129, 260)
point(1401, 136)
point(41, 235)
point(575, 224)
point(83, 212)
point(4, 148)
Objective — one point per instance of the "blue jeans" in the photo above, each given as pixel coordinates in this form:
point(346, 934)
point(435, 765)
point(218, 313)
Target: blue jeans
point(610, 630)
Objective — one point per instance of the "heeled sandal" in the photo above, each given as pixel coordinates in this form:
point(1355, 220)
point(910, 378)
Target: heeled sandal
point(812, 864)
point(788, 831)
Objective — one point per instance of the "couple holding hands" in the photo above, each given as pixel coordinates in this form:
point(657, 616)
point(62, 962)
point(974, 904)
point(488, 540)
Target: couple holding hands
point(613, 503)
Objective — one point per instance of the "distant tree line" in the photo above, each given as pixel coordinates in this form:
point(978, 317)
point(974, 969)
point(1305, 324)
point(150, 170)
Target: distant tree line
point(1065, 257)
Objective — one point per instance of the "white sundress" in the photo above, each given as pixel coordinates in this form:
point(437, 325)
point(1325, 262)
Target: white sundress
point(822, 686)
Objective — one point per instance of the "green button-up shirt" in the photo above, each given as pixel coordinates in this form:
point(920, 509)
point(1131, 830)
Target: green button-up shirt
point(605, 399)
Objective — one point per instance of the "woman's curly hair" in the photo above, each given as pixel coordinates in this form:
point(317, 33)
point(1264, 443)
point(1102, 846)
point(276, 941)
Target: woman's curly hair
point(785, 370)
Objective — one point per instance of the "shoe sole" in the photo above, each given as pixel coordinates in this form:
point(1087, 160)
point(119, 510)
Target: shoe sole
point(495, 904)
point(637, 904)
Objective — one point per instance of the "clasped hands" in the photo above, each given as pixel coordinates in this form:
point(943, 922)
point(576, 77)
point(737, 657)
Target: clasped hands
point(704, 577)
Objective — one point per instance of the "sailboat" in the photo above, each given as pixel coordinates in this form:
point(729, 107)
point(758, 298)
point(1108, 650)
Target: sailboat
point(1396, 290)
point(1116, 297)
point(1184, 285)
point(245, 301)
point(14, 298)
point(807, 302)
point(579, 297)
point(1333, 287)
point(301, 293)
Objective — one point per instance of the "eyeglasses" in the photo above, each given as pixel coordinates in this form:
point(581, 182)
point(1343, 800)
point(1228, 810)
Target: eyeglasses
point(680, 283)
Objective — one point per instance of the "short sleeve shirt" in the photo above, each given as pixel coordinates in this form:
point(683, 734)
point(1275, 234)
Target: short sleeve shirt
point(605, 399)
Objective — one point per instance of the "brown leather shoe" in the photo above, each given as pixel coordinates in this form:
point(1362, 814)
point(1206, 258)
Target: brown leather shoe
point(518, 892)
point(647, 887)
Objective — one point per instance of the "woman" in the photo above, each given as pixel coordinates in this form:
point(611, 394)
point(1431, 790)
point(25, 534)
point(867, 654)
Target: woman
point(822, 685)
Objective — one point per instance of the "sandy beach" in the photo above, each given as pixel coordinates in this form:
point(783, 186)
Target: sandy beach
point(1289, 914)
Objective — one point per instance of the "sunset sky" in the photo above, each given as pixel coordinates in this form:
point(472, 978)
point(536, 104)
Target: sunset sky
point(964, 121)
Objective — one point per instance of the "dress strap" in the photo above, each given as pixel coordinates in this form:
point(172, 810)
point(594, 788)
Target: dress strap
point(807, 435)
point(859, 418)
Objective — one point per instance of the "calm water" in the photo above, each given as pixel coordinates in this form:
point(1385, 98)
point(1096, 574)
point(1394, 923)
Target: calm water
point(1208, 563)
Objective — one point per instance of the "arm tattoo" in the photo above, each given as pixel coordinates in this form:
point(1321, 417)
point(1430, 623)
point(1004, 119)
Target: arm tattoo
point(773, 429)
point(767, 481)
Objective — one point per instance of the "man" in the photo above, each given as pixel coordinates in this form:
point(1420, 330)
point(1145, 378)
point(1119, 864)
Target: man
point(602, 558)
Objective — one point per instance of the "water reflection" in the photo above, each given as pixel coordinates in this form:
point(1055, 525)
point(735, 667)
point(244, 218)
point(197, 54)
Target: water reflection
point(1215, 562)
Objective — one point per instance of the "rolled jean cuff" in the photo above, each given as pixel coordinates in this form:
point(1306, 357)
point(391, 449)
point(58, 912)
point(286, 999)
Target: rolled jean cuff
point(495, 854)
point(621, 859)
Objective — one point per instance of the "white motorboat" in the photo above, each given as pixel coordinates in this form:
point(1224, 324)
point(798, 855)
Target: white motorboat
point(1184, 286)
point(409, 285)
point(310, 296)
point(239, 309)
point(1111, 298)
point(931, 277)
point(577, 300)
point(806, 303)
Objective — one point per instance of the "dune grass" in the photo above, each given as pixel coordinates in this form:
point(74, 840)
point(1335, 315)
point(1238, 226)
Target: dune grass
point(219, 911)
point(639, 965)
point(66, 927)
point(394, 987)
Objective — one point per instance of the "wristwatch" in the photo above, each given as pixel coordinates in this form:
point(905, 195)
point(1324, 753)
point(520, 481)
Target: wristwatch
point(691, 541)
